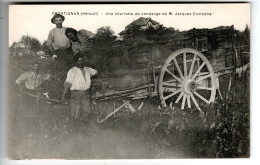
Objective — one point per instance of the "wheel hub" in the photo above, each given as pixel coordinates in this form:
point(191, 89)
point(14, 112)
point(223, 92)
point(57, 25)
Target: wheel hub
point(190, 86)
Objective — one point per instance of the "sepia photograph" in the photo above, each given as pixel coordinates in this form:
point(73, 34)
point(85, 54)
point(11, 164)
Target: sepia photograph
point(128, 81)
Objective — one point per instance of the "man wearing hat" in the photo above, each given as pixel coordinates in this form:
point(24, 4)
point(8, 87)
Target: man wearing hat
point(58, 43)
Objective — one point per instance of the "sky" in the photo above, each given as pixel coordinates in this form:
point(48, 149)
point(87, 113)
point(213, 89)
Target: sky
point(34, 20)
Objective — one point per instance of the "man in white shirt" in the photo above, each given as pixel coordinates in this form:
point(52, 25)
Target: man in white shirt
point(78, 81)
point(58, 43)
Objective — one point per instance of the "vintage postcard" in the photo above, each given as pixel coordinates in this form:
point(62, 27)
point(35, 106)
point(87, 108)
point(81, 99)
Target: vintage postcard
point(129, 81)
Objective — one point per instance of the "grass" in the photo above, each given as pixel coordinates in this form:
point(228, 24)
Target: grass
point(223, 133)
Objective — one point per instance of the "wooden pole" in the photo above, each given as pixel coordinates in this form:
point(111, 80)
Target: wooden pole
point(233, 46)
point(154, 51)
point(47, 99)
point(112, 113)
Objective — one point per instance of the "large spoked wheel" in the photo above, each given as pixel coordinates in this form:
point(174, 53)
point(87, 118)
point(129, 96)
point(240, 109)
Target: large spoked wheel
point(187, 80)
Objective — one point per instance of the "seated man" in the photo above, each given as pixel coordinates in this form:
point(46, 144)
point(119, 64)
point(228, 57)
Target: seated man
point(78, 81)
point(30, 84)
point(32, 79)
point(81, 41)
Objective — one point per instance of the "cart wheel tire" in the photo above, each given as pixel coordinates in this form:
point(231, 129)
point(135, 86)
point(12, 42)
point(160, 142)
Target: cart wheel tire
point(187, 79)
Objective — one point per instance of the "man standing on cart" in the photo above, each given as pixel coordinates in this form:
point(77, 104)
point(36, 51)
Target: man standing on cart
point(81, 41)
point(58, 44)
point(78, 81)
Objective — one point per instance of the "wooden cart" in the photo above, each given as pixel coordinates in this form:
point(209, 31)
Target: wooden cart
point(182, 69)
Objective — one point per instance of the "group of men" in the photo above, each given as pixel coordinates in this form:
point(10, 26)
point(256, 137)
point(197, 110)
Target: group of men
point(67, 45)
point(63, 42)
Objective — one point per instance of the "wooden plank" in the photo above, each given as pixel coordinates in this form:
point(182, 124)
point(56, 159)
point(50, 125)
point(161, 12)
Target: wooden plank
point(124, 91)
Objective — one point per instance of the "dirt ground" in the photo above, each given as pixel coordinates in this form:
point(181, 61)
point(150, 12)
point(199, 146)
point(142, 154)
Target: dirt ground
point(43, 131)
point(40, 132)
point(34, 135)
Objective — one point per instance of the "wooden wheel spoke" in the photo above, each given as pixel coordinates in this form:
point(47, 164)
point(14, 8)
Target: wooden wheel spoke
point(192, 64)
point(180, 96)
point(178, 68)
point(171, 104)
point(202, 78)
point(172, 82)
point(198, 62)
point(183, 101)
point(194, 101)
point(171, 85)
point(172, 94)
point(184, 64)
point(188, 101)
point(198, 71)
point(202, 98)
point(204, 88)
point(170, 73)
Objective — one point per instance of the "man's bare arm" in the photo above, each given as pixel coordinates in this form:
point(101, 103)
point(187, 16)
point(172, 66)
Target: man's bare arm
point(51, 49)
point(65, 90)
